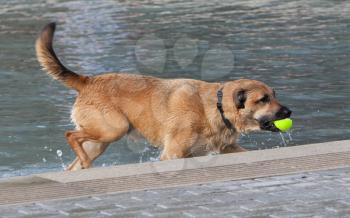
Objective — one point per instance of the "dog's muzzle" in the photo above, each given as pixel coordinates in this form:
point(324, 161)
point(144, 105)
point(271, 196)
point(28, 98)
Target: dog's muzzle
point(266, 123)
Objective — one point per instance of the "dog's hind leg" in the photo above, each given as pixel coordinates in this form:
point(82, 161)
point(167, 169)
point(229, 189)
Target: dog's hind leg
point(95, 130)
point(86, 151)
point(76, 140)
point(75, 165)
point(92, 149)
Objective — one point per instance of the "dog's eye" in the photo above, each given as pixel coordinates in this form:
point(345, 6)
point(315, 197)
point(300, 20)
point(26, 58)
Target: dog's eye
point(264, 99)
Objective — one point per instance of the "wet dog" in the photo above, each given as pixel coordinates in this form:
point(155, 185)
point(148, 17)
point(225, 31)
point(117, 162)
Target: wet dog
point(184, 117)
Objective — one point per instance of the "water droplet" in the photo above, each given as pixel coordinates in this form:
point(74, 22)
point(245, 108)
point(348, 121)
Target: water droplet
point(283, 140)
point(44, 160)
point(41, 126)
point(59, 153)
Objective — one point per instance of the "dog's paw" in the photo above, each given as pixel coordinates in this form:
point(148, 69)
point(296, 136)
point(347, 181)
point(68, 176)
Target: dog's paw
point(85, 164)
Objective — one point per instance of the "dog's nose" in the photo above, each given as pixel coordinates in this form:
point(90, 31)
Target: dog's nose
point(284, 112)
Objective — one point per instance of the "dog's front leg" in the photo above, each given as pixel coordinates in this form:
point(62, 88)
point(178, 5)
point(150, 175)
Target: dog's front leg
point(177, 145)
point(231, 149)
point(174, 151)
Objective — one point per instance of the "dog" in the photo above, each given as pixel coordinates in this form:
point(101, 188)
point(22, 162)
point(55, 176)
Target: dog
point(183, 117)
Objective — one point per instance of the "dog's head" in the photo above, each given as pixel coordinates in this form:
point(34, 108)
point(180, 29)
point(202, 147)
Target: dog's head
point(254, 106)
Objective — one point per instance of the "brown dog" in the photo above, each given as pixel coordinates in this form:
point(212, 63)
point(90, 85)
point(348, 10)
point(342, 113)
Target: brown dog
point(185, 117)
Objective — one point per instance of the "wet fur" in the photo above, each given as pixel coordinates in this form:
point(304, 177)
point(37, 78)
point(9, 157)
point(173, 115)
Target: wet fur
point(178, 115)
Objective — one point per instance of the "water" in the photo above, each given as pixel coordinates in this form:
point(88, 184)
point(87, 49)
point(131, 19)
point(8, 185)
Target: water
point(301, 48)
point(284, 142)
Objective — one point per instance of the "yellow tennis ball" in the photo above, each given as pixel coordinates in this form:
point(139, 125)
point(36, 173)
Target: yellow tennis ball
point(283, 125)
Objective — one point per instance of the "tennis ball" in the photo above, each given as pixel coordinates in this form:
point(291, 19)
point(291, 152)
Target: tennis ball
point(283, 125)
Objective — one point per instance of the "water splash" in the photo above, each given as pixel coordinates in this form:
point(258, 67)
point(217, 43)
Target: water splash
point(283, 139)
point(59, 155)
point(143, 154)
point(149, 154)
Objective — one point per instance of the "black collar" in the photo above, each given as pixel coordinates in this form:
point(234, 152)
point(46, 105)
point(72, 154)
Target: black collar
point(219, 94)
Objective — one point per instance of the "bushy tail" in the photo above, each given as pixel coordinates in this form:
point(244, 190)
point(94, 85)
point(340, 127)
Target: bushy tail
point(51, 64)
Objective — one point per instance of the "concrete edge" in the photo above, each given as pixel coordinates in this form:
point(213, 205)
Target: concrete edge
point(198, 162)
point(168, 186)
point(182, 172)
point(185, 164)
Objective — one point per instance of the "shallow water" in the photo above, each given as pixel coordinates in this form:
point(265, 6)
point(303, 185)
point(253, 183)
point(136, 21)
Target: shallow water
point(301, 48)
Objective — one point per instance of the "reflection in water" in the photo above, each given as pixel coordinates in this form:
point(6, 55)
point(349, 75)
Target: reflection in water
point(301, 48)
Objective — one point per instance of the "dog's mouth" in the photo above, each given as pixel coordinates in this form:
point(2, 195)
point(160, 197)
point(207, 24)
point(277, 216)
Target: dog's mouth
point(267, 122)
point(268, 126)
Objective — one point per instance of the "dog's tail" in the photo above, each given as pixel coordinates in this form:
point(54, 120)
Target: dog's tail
point(51, 64)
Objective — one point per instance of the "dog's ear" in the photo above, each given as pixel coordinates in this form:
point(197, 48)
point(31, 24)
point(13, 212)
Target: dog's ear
point(240, 98)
